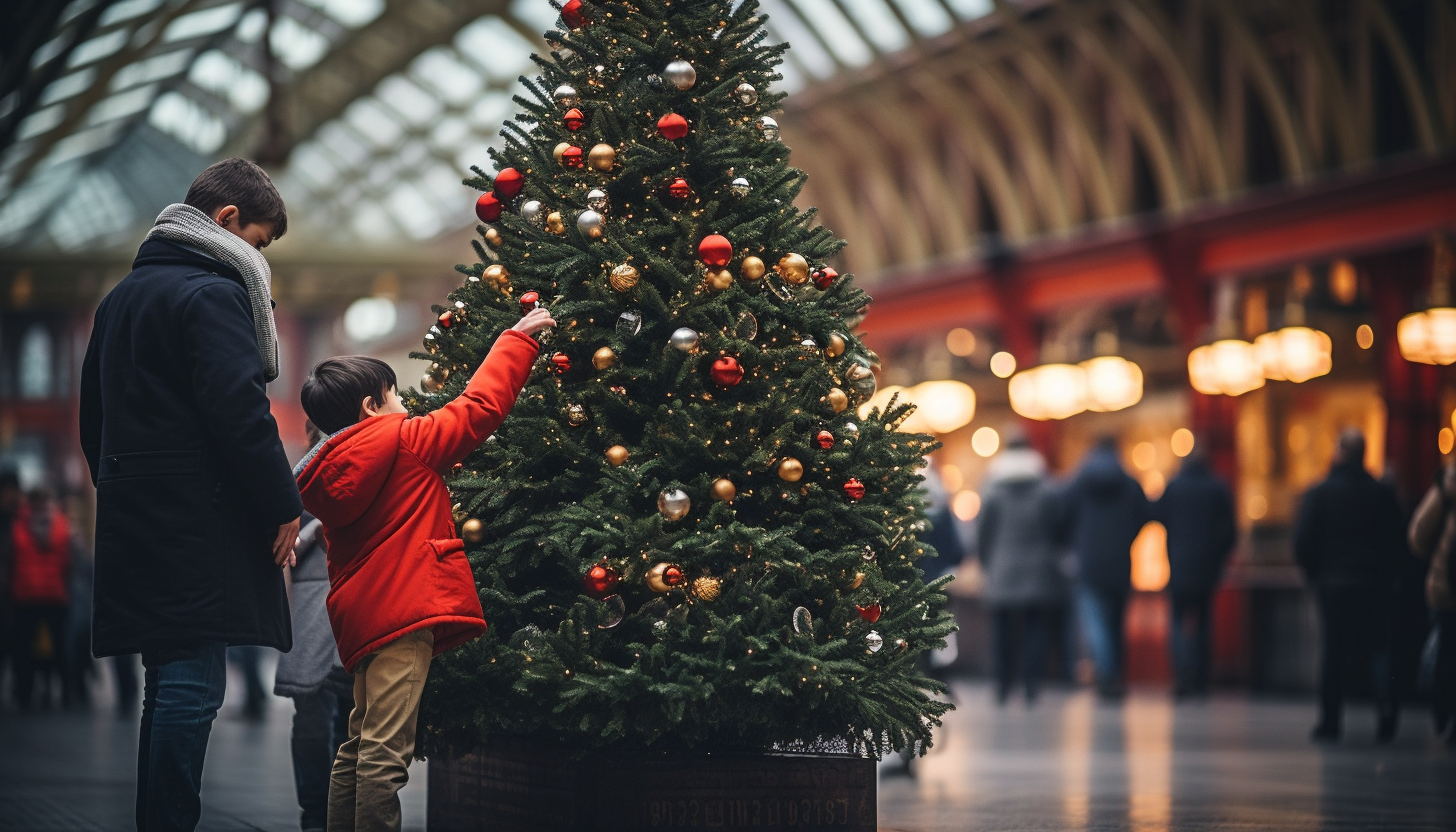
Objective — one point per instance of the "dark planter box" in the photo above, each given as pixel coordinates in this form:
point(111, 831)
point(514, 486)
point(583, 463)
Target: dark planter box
point(516, 791)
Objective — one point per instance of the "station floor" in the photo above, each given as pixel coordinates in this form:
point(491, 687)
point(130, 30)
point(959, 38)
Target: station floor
point(1069, 763)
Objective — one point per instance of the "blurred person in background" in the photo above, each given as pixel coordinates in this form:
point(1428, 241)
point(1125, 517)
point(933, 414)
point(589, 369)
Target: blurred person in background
point(1197, 509)
point(10, 497)
point(1106, 508)
point(1349, 540)
point(944, 535)
point(40, 539)
point(1019, 540)
point(1432, 536)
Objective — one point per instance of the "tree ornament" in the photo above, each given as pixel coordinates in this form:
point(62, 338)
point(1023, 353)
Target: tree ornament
point(724, 490)
point(873, 641)
point(867, 553)
point(488, 207)
point(432, 344)
point(836, 345)
point(726, 371)
point(590, 223)
point(560, 363)
point(508, 183)
point(601, 580)
point(566, 96)
point(616, 455)
point(496, 275)
point(493, 236)
point(575, 415)
point(753, 268)
point(715, 250)
point(837, 399)
point(746, 327)
point(824, 439)
point(623, 277)
point(555, 223)
point(769, 128)
point(558, 150)
point(629, 323)
point(430, 384)
point(809, 345)
point(672, 126)
point(533, 211)
point(573, 119)
point(862, 379)
point(858, 580)
point(653, 80)
point(573, 158)
point(870, 612)
point(854, 489)
point(602, 157)
point(824, 276)
point(679, 188)
point(472, 531)
point(793, 268)
point(571, 14)
point(790, 469)
point(596, 198)
point(530, 300)
point(901, 645)
point(684, 339)
point(680, 74)
point(604, 358)
point(665, 577)
point(740, 187)
point(718, 279)
point(446, 319)
point(746, 94)
point(673, 503)
point(802, 621)
point(707, 587)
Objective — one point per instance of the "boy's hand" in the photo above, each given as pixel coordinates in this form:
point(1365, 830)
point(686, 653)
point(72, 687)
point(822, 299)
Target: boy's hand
point(283, 544)
point(534, 321)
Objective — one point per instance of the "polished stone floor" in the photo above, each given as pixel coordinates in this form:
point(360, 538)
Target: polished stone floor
point(1070, 763)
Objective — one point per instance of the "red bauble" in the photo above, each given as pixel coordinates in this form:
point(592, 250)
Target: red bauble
point(573, 119)
point(488, 208)
point(560, 362)
point(726, 371)
point(854, 489)
point(672, 126)
point(571, 14)
point(672, 576)
point(870, 613)
point(679, 188)
point(529, 301)
point(447, 319)
point(573, 157)
point(600, 580)
point(715, 250)
point(824, 439)
point(824, 276)
point(508, 183)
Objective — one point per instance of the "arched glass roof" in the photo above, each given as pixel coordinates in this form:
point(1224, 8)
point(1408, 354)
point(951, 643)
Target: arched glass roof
point(109, 107)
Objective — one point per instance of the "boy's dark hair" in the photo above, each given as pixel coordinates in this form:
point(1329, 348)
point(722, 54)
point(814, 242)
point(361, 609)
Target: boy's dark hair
point(332, 392)
point(241, 183)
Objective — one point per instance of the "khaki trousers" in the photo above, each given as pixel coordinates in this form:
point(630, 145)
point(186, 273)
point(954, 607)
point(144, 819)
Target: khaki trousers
point(373, 765)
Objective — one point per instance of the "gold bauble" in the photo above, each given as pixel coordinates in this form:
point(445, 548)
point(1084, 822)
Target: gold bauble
point(836, 345)
point(707, 588)
point(560, 149)
point(837, 399)
point(752, 268)
point(457, 513)
point(616, 455)
point(724, 489)
point(472, 530)
point(555, 223)
point(496, 275)
point(623, 277)
point(493, 237)
point(604, 358)
point(793, 268)
point(664, 577)
point(718, 279)
point(790, 470)
point(602, 157)
point(858, 579)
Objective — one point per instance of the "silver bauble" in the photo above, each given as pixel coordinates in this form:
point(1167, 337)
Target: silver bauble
point(533, 211)
point(680, 74)
point(589, 220)
point(746, 94)
point(746, 327)
point(803, 621)
point(809, 345)
point(629, 323)
point(685, 339)
point(740, 187)
point(673, 503)
point(566, 96)
point(850, 429)
point(873, 641)
point(596, 199)
point(861, 378)
point(769, 128)
point(654, 81)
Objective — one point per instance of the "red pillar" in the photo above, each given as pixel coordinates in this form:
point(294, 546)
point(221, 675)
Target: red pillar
point(1022, 339)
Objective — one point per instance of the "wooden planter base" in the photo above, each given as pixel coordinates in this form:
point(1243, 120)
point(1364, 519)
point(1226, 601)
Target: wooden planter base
point(517, 791)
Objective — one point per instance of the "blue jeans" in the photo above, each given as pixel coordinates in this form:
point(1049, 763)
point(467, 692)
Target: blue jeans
point(1101, 615)
point(320, 726)
point(183, 690)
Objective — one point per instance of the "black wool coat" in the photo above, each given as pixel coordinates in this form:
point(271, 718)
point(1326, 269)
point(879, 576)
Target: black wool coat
point(191, 479)
point(1106, 509)
point(1350, 531)
point(1198, 512)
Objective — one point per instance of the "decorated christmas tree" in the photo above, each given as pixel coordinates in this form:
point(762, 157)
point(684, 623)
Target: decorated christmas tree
point(684, 536)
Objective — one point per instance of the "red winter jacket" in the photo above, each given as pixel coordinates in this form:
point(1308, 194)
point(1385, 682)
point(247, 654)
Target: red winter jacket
point(395, 564)
point(41, 566)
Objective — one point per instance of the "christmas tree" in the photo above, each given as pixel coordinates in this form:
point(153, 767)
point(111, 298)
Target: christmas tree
point(684, 536)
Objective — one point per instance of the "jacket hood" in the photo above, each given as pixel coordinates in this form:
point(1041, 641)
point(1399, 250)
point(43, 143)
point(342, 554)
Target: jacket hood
point(1101, 472)
point(160, 252)
point(341, 478)
point(1016, 464)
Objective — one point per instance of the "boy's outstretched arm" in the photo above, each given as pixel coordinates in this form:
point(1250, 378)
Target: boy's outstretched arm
point(444, 437)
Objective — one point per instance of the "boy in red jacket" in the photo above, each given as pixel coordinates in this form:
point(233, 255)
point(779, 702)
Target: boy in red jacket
point(401, 590)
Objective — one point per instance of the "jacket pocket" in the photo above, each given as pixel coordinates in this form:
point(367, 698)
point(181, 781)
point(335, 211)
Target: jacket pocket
point(151, 464)
point(447, 547)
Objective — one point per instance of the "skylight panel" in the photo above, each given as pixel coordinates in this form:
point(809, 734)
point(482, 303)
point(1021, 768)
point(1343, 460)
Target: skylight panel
point(417, 106)
point(298, 46)
point(40, 121)
point(343, 142)
point(490, 44)
point(22, 208)
point(65, 87)
point(251, 27)
point(490, 112)
point(350, 13)
point(188, 122)
point(373, 123)
point(126, 10)
point(202, 23)
point(96, 208)
point(879, 24)
point(971, 9)
point(413, 212)
point(785, 25)
point(80, 144)
point(122, 104)
point(101, 46)
point(443, 183)
point(449, 133)
point(443, 72)
point(535, 14)
point(475, 153)
point(222, 74)
point(927, 16)
point(836, 31)
point(151, 69)
point(372, 222)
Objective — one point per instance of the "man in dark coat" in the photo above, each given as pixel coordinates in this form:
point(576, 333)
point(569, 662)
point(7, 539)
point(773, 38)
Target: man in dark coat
point(1198, 511)
point(196, 508)
point(1349, 539)
point(1106, 508)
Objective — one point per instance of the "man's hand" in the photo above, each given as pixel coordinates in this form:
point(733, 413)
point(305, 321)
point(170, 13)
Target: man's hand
point(534, 321)
point(283, 544)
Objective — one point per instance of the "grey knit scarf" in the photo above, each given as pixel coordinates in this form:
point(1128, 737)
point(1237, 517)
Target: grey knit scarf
point(184, 224)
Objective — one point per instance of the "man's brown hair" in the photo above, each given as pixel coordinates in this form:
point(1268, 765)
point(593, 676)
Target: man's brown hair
point(241, 183)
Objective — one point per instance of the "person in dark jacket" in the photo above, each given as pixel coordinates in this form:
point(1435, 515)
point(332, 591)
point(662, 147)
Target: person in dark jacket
point(1349, 539)
point(1106, 508)
point(1198, 511)
point(1019, 534)
point(10, 497)
point(1432, 536)
point(196, 508)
